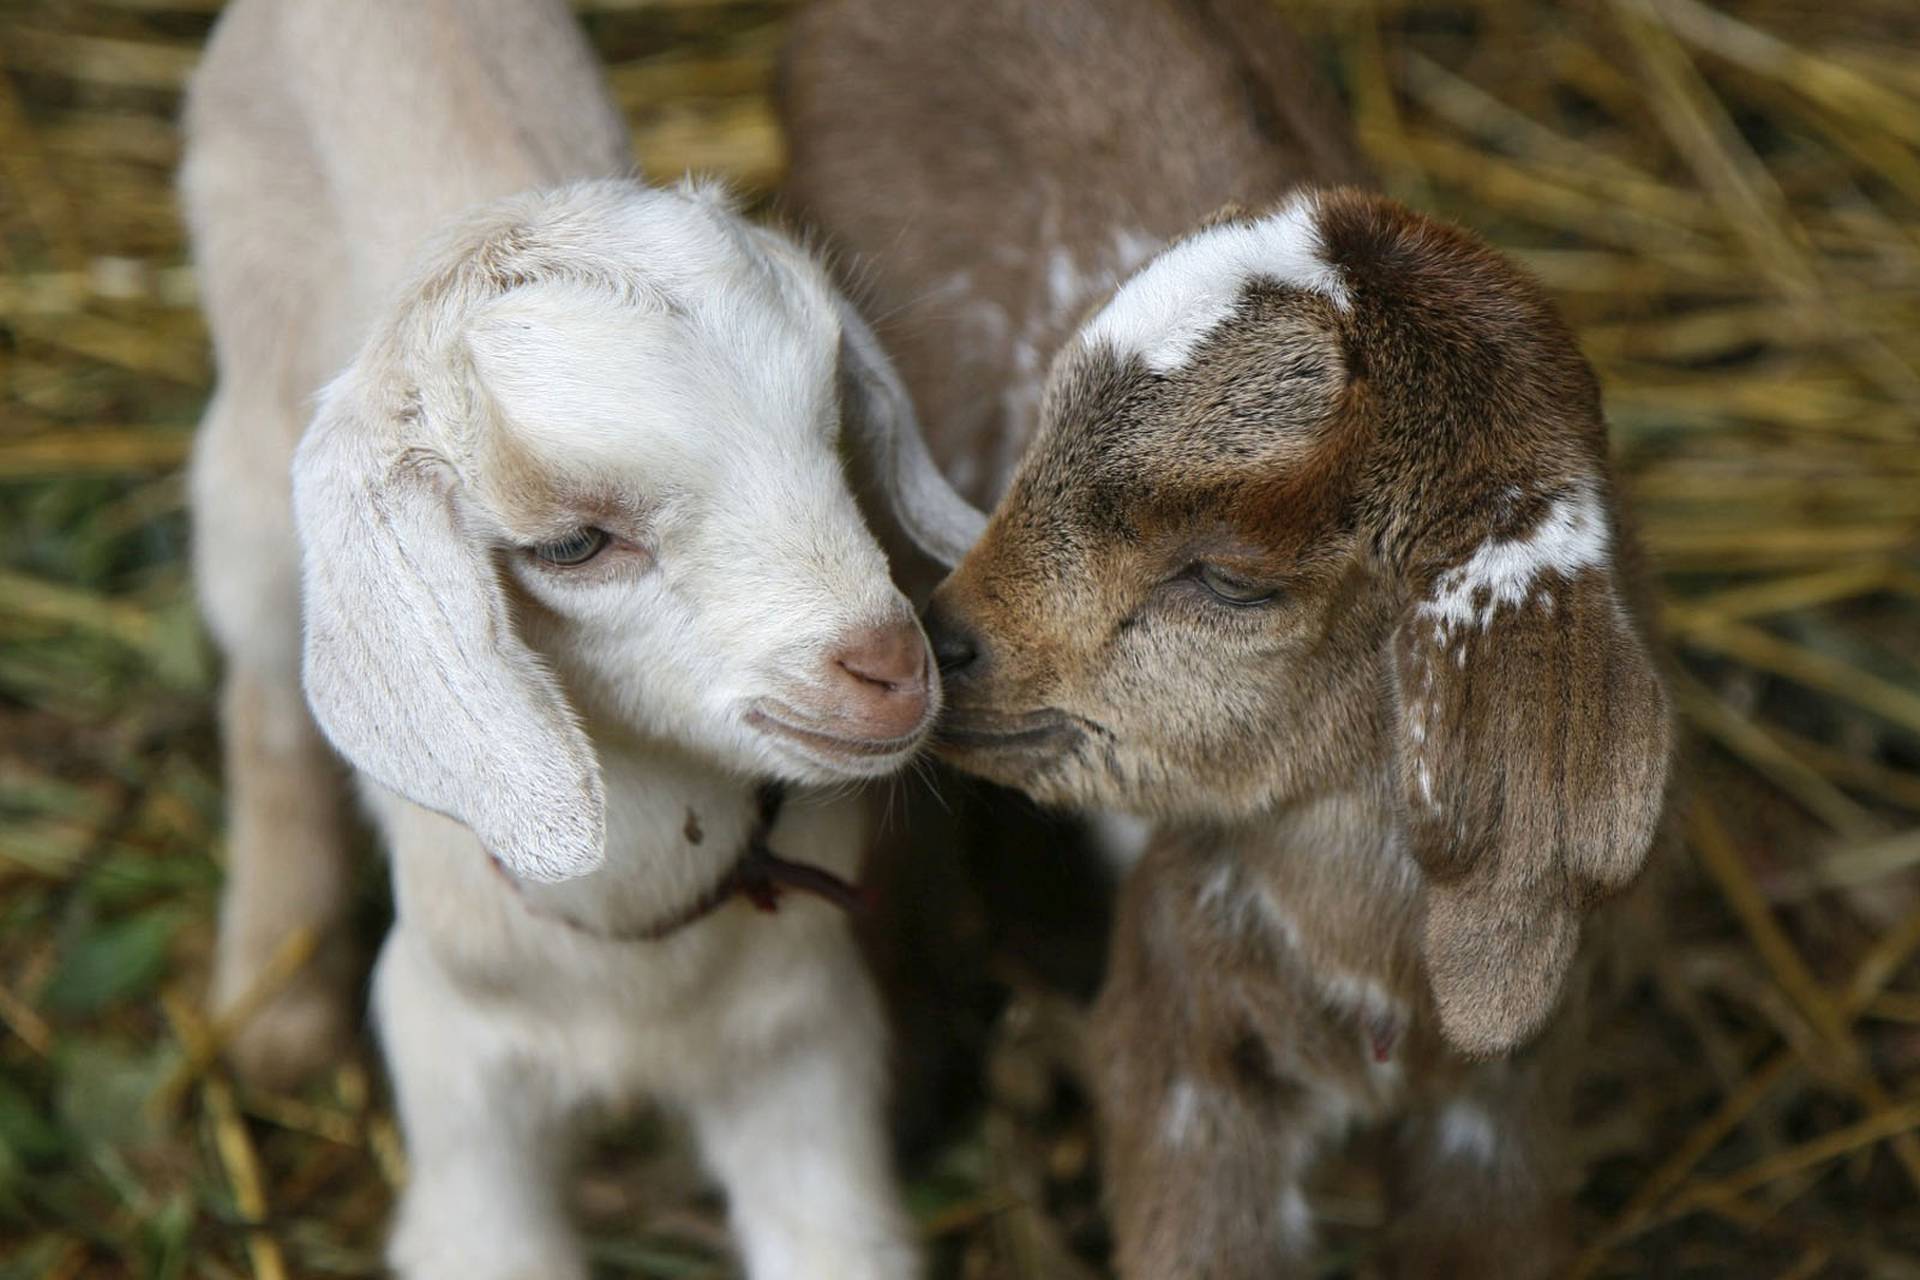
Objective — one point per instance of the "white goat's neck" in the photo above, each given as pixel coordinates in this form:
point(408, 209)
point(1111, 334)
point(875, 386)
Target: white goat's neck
point(675, 826)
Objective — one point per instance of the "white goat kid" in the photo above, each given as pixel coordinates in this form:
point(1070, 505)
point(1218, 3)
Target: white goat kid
point(643, 436)
point(582, 577)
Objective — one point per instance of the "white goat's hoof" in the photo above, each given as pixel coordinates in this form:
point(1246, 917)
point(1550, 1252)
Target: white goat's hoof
point(302, 1030)
point(414, 1256)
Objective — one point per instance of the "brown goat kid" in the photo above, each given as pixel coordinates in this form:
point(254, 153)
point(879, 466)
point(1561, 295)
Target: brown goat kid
point(1330, 585)
point(1311, 556)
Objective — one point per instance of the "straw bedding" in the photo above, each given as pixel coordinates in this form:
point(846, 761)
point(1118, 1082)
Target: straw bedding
point(1724, 196)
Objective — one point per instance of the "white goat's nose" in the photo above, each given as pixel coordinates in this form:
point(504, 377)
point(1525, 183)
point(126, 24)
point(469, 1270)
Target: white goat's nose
point(879, 678)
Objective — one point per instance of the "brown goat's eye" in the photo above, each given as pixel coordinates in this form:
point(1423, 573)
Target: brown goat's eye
point(1232, 590)
point(577, 547)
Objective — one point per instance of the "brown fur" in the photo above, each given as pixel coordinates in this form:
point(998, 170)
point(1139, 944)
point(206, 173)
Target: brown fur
point(991, 133)
point(1379, 838)
point(1292, 732)
point(949, 247)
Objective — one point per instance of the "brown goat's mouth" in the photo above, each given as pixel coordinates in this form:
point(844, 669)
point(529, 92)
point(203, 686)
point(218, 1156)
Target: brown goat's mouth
point(1046, 730)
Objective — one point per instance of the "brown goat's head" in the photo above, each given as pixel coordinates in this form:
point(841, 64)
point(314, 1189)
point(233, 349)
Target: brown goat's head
point(1317, 496)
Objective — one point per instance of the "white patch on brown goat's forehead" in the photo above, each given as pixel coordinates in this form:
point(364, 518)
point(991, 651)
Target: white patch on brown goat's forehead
point(1572, 536)
point(1164, 312)
point(1069, 284)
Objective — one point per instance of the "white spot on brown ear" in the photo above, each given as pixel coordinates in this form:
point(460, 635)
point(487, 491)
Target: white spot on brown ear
point(1170, 306)
point(1501, 571)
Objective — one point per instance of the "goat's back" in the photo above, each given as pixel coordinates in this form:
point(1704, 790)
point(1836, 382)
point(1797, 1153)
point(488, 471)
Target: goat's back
point(327, 138)
point(994, 167)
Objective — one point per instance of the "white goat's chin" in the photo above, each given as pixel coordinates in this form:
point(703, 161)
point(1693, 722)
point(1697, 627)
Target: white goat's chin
point(824, 756)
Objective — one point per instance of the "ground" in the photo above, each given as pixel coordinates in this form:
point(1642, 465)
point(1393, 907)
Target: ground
point(1725, 199)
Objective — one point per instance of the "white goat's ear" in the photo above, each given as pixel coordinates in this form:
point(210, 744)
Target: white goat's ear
point(412, 665)
point(879, 411)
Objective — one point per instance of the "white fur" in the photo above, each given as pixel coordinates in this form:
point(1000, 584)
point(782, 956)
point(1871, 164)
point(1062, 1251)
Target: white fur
point(1181, 1118)
point(1361, 995)
point(505, 1029)
point(1121, 837)
point(588, 352)
point(1467, 1132)
point(1166, 310)
point(1218, 896)
point(1572, 536)
point(1243, 907)
point(1067, 287)
point(929, 508)
point(706, 407)
point(701, 403)
point(1296, 1218)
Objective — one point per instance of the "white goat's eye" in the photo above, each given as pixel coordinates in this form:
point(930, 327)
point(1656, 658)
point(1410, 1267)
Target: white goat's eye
point(1232, 590)
point(577, 547)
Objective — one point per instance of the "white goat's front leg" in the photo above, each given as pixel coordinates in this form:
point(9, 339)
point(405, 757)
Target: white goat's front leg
point(289, 864)
point(288, 870)
point(793, 1125)
point(485, 1118)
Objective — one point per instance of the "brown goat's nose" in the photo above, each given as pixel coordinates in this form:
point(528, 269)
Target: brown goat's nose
point(954, 646)
point(883, 679)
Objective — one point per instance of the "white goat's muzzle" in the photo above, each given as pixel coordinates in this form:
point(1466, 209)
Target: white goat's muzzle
point(865, 708)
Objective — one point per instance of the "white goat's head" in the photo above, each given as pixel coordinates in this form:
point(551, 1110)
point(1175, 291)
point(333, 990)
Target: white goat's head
point(587, 475)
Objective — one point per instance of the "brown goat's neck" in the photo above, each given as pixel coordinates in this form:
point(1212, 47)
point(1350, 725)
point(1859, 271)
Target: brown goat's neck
point(1336, 864)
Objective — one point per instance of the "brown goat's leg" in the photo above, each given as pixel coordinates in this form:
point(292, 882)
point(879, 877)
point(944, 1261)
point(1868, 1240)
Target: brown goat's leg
point(1199, 1186)
point(1474, 1189)
point(1202, 1169)
point(288, 869)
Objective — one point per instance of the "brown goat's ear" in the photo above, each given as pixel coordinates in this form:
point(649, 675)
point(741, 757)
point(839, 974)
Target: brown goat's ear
point(1533, 744)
